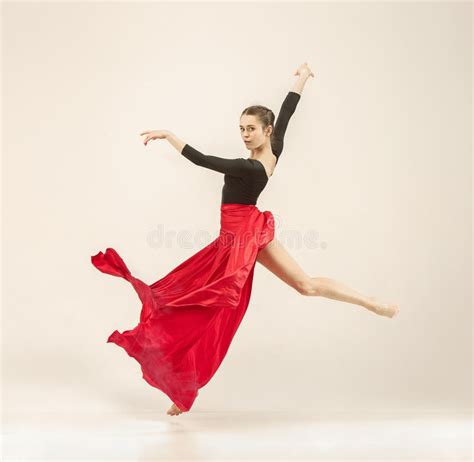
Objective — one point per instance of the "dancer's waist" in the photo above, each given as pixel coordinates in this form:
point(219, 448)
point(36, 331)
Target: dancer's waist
point(238, 206)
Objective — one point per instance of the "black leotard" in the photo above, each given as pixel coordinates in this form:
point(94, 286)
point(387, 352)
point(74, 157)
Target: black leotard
point(245, 179)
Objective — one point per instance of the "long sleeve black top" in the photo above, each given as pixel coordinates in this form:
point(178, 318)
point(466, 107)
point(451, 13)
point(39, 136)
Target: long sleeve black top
point(245, 179)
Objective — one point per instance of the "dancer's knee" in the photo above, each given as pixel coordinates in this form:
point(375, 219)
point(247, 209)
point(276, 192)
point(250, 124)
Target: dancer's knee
point(307, 287)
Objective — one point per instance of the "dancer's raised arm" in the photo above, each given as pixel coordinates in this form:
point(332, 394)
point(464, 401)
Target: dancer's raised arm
point(288, 108)
point(235, 167)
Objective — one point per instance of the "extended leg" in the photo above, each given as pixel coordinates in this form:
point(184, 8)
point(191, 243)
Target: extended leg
point(277, 260)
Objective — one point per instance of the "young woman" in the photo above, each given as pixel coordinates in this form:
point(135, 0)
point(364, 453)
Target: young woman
point(189, 316)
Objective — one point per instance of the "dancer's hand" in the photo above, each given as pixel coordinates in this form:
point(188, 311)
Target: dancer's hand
point(304, 71)
point(154, 134)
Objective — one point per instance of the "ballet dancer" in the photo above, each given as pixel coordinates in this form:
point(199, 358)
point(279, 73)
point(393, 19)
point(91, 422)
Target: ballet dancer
point(189, 317)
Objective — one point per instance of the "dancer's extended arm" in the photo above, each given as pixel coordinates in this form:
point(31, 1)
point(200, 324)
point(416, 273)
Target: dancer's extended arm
point(234, 167)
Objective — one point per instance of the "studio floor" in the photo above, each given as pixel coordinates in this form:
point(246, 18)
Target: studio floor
point(237, 436)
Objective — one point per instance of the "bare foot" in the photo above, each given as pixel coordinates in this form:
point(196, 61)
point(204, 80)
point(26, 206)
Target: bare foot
point(174, 410)
point(384, 309)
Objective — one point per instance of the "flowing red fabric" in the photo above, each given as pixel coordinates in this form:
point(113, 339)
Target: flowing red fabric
point(189, 317)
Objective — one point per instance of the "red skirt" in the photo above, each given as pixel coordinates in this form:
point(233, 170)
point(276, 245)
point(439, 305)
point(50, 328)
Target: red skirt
point(189, 317)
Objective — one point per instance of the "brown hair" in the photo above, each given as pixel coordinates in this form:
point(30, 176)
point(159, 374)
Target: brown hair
point(264, 115)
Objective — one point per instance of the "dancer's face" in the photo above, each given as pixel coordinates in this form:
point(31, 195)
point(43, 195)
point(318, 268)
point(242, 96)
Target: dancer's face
point(251, 130)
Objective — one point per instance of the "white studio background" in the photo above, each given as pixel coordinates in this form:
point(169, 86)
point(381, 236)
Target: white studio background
point(376, 162)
